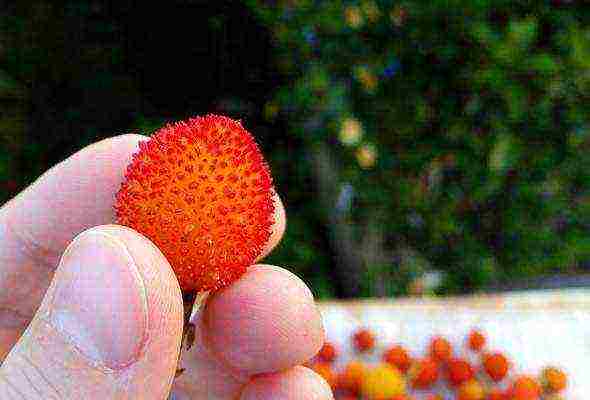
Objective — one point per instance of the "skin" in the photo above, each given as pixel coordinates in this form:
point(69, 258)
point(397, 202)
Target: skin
point(269, 311)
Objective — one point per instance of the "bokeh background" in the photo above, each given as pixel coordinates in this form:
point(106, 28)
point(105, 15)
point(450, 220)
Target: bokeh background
point(420, 147)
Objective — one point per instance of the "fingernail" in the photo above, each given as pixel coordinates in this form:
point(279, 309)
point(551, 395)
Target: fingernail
point(99, 301)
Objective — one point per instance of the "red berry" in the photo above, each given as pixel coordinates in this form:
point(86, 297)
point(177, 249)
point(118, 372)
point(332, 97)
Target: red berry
point(364, 340)
point(476, 340)
point(459, 371)
point(202, 192)
point(496, 366)
point(440, 349)
point(398, 357)
point(423, 373)
point(327, 353)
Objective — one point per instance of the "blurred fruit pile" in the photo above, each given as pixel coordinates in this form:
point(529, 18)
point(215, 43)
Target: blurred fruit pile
point(442, 372)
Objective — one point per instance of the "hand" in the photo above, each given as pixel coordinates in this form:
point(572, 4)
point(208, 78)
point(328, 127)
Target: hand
point(106, 323)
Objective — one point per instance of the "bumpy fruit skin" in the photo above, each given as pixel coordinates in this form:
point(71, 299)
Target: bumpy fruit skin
point(553, 380)
point(398, 357)
point(423, 373)
point(364, 340)
point(202, 192)
point(382, 383)
point(496, 366)
point(459, 371)
point(476, 340)
point(440, 349)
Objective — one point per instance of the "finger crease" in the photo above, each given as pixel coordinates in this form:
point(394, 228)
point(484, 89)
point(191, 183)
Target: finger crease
point(47, 381)
point(12, 386)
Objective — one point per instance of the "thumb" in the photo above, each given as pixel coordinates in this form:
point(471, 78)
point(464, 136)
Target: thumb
point(109, 326)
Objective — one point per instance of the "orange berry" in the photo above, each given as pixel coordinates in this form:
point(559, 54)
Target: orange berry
point(553, 380)
point(201, 191)
point(476, 340)
point(496, 366)
point(434, 397)
point(325, 371)
point(423, 373)
point(351, 377)
point(398, 357)
point(364, 340)
point(459, 371)
point(327, 353)
point(524, 388)
point(382, 382)
point(440, 349)
point(471, 390)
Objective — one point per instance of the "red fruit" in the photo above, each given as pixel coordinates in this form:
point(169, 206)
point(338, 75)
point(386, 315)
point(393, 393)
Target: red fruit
point(434, 397)
point(496, 366)
point(440, 349)
point(401, 397)
point(398, 357)
point(423, 373)
point(202, 192)
point(553, 380)
point(327, 353)
point(476, 340)
point(459, 371)
point(524, 388)
point(364, 340)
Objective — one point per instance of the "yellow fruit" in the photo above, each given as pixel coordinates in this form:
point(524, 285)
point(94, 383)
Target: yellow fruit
point(382, 383)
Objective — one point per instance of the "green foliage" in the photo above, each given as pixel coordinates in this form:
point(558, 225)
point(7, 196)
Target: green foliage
point(469, 133)
point(420, 135)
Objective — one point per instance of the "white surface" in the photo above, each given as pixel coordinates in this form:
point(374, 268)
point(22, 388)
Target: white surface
point(534, 329)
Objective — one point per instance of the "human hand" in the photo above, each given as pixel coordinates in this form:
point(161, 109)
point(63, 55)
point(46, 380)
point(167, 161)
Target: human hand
point(107, 322)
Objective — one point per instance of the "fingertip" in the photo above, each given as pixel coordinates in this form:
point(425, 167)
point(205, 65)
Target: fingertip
point(298, 383)
point(268, 311)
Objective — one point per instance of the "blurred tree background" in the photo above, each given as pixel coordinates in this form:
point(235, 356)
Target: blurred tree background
point(418, 145)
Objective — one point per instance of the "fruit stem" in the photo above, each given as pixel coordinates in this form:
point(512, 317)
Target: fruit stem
point(191, 301)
